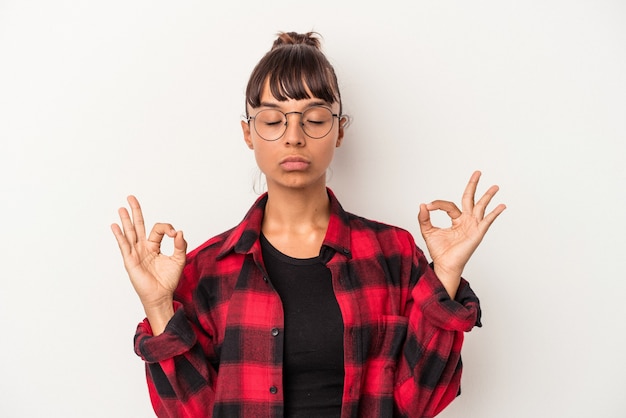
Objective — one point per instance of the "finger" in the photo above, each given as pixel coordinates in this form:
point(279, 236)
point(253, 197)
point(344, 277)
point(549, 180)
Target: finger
point(467, 201)
point(140, 227)
point(450, 208)
point(423, 218)
point(180, 245)
point(159, 231)
point(127, 226)
point(122, 242)
point(488, 220)
point(481, 206)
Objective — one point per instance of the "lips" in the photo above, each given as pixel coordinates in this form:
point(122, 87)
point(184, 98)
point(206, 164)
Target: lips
point(294, 163)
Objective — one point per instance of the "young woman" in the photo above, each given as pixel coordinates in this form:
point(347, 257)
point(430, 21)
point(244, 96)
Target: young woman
point(303, 309)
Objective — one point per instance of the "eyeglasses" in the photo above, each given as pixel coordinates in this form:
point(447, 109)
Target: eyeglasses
point(271, 124)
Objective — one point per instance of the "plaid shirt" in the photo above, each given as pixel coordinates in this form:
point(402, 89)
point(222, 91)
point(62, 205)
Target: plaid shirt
point(221, 354)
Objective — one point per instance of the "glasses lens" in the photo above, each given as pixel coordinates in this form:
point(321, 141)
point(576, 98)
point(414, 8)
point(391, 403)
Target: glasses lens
point(317, 121)
point(270, 124)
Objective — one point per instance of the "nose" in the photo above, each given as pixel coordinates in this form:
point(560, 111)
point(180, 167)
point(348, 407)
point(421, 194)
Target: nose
point(294, 134)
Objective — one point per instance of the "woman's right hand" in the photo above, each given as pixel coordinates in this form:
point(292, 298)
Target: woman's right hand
point(153, 274)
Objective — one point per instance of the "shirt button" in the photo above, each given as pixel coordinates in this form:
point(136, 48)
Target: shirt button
point(265, 279)
point(273, 390)
point(274, 332)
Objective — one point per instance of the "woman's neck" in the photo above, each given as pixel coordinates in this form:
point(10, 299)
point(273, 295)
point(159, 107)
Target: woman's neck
point(295, 220)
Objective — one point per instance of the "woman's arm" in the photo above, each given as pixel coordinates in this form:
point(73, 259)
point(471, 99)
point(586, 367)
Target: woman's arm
point(153, 274)
point(176, 352)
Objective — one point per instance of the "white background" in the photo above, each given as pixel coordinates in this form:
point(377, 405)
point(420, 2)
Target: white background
point(102, 99)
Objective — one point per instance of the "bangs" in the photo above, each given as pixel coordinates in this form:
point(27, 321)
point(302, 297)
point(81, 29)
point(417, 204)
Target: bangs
point(296, 72)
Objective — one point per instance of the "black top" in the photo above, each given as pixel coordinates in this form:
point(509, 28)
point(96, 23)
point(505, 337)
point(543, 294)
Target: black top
point(313, 352)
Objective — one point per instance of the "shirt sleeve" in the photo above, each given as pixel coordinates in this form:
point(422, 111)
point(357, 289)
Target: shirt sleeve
point(178, 369)
point(428, 375)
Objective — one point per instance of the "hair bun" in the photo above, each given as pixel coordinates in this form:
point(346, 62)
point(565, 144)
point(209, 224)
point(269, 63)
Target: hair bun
point(294, 38)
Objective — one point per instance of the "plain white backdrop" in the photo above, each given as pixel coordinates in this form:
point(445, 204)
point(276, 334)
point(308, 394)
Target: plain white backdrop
point(99, 100)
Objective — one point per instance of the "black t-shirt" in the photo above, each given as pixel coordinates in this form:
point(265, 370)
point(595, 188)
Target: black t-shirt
point(313, 369)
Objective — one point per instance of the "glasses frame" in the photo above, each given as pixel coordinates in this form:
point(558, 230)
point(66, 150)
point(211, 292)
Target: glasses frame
point(286, 124)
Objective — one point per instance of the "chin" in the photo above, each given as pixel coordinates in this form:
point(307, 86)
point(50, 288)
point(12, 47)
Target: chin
point(300, 183)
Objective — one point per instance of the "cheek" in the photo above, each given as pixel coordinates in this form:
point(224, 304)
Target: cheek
point(262, 155)
point(327, 153)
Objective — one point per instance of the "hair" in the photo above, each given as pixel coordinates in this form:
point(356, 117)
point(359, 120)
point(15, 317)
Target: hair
point(294, 66)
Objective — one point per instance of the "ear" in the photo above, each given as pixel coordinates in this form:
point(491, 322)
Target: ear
point(342, 125)
point(245, 127)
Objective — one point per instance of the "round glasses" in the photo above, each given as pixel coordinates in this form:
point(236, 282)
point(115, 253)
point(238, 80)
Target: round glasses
point(271, 124)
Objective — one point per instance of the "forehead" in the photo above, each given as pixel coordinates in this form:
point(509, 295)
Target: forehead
point(268, 99)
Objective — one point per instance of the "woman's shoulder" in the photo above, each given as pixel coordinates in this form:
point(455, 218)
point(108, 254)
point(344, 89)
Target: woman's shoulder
point(210, 247)
point(362, 228)
point(358, 223)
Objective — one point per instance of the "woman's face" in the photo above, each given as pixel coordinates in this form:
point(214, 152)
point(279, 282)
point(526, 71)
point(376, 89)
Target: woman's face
point(295, 160)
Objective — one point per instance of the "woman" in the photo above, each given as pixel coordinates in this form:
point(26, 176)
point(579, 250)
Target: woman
point(303, 309)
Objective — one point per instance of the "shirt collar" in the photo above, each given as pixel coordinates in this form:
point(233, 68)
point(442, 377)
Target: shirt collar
point(244, 236)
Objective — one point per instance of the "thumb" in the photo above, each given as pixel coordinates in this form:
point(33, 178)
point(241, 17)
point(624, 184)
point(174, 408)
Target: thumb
point(423, 217)
point(180, 245)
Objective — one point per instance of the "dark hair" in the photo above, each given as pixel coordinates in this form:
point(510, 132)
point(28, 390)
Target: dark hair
point(294, 63)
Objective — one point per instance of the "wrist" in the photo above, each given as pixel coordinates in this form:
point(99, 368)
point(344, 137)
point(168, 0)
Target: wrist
point(159, 315)
point(449, 279)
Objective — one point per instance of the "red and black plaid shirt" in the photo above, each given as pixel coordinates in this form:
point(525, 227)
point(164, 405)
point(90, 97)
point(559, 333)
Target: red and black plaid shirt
point(221, 354)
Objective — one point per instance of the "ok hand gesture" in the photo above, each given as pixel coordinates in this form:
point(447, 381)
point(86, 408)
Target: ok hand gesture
point(153, 274)
point(451, 248)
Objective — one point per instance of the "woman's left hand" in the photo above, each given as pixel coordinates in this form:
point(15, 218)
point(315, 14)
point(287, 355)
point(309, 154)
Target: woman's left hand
point(451, 248)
